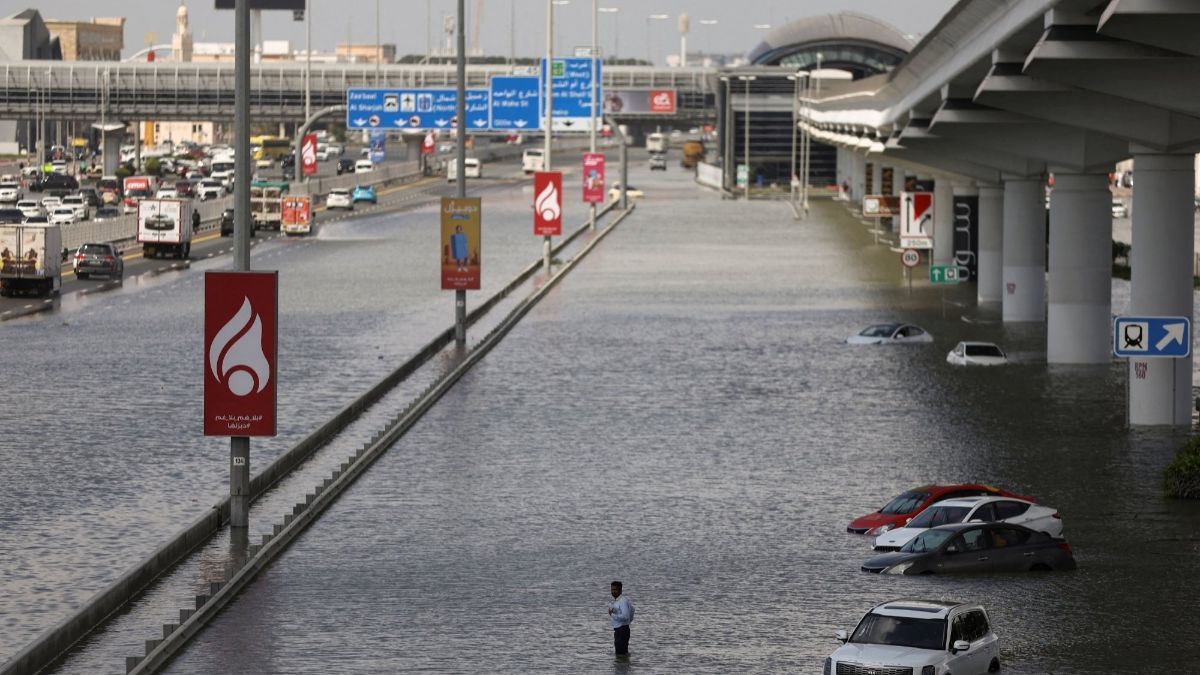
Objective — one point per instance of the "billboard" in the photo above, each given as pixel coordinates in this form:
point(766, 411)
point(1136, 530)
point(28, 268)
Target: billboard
point(462, 262)
point(593, 177)
point(241, 319)
point(547, 203)
point(308, 155)
point(966, 234)
point(378, 145)
point(640, 102)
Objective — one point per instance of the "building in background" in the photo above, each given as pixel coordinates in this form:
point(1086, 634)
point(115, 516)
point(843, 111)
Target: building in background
point(100, 39)
point(181, 40)
point(24, 37)
point(368, 53)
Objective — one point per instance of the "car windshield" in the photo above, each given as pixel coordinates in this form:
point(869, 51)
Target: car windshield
point(940, 515)
point(901, 631)
point(905, 503)
point(97, 249)
point(882, 330)
point(137, 193)
point(927, 541)
point(984, 350)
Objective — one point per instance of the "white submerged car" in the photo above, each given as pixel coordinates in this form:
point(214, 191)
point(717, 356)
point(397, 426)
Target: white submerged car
point(966, 509)
point(921, 637)
point(976, 354)
point(890, 333)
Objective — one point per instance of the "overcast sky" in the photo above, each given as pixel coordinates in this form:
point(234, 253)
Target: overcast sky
point(403, 22)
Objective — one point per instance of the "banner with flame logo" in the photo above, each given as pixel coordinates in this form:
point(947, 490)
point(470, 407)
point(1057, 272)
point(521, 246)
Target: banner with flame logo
point(240, 337)
point(308, 155)
point(547, 203)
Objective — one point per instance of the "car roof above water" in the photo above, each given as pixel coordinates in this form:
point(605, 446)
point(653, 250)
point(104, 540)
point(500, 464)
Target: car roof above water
point(917, 609)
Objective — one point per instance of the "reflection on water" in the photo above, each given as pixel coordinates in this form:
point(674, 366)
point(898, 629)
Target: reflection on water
point(682, 414)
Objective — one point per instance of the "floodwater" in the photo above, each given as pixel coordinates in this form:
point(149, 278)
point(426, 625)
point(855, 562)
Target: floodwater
point(682, 414)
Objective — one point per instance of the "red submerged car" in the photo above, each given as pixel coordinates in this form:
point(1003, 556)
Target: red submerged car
point(908, 504)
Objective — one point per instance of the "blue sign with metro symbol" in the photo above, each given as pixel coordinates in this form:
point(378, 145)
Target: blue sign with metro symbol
point(1164, 337)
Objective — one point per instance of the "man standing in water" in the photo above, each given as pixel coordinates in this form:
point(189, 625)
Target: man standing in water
point(620, 610)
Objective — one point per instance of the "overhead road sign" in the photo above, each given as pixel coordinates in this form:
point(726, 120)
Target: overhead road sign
point(516, 103)
point(1162, 337)
point(948, 274)
point(413, 109)
point(916, 219)
point(880, 206)
point(572, 81)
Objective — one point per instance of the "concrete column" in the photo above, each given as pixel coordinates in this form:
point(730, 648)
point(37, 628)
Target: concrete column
point(1024, 251)
point(859, 184)
point(943, 220)
point(991, 235)
point(1160, 390)
point(897, 188)
point(877, 177)
point(111, 152)
point(1080, 308)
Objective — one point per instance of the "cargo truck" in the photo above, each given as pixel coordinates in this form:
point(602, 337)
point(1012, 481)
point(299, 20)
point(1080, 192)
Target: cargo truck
point(137, 188)
point(266, 204)
point(30, 259)
point(297, 215)
point(165, 228)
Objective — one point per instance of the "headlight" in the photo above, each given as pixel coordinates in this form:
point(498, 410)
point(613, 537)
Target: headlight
point(899, 569)
point(929, 670)
point(829, 666)
point(876, 531)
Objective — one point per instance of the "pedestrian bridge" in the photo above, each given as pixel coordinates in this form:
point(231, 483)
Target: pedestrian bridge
point(190, 91)
point(1001, 95)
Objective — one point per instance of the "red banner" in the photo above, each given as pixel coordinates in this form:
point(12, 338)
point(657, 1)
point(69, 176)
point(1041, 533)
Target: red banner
point(593, 177)
point(308, 155)
point(428, 144)
point(241, 312)
point(547, 203)
point(461, 243)
point(662, 101)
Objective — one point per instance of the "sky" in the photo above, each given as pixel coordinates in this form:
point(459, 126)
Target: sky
point(403, 22)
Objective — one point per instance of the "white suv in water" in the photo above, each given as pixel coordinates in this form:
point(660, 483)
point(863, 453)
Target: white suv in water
point(921, 637)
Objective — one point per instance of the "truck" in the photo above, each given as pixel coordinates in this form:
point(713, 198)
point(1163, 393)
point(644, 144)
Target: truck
point(693, 154)
point(30, 259)
point(165, 228)
point(656, 142)
point(137, 188)
point(297, 215)
point(266, 204)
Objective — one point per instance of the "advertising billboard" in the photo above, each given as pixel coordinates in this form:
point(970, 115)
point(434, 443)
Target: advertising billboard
point(547, 203)
point(593, 177)
point(308, 155)
point(241, 319)
point(966, 234)
point(462, 244)
point(640, 102)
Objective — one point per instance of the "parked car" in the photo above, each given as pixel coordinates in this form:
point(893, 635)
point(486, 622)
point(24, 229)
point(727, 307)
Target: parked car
point(908, 504)
point(982, 509)
point(345, 166)
point(1119, 210)
point(658, 161)
point(364, 166)
point(211, 189)
point(614, 193)
point(77, 202)
point(29, 208)
point(918, 637)
point(339, 198)
point(98, 258)
point(890, 333)
point(976, 354)
point(364, 193)
point(62, 215)
point(12, 216)
point(107, 213)
point(976, 547)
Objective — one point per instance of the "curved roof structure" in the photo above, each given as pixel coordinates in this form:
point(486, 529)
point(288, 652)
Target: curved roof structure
point(849, 41)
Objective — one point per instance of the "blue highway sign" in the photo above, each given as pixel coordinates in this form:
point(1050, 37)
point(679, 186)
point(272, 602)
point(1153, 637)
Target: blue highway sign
point(573, 93)
point(413, 109)
point(516, 103)
point(1165, 337)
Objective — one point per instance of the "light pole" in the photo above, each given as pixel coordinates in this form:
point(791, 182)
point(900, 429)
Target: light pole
point(560, 3)
point(546, 152)
point(595, 92)
point(378, 46)
point(707, 22)
point(814, 80)
point(460, 159)
point(307, 59)
point(746, 125)
point(614, 11)
point(652, 17)
point(793, 179)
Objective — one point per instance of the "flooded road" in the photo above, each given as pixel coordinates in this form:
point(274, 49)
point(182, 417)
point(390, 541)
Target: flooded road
point(682, 414)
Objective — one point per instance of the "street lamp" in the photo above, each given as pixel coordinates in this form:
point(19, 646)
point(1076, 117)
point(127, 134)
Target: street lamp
point(614, 11)
point(559, 3)
point(746, 122)
point(708, 22)
point(652, 17)
point(800, 75)
point(814, 79)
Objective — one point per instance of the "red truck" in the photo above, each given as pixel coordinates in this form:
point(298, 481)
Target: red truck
point(137, 188)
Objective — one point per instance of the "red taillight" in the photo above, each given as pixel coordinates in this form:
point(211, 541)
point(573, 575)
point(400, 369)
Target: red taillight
point(1056, 515)
point(1065, 546)
point(108, 258)
point(79, 256)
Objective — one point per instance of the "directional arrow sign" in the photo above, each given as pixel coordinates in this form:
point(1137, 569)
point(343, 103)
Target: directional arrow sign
point(947, 274)
point(516, 102)
point(413, 109)
point(1166, 337)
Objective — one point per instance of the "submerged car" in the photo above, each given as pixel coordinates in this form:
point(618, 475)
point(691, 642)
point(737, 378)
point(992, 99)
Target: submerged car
point(974, 509)
point(906, 505)
point(976, 547)
point(363, 193)
point(918, 637)
point(614, 193)
point(890, 333)
point(976, 354)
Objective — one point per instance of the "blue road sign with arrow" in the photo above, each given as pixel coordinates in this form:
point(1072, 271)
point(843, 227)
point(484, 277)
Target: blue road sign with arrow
point(413, 109)
point(572, 78)
point(1164, 337)
point(516, 103)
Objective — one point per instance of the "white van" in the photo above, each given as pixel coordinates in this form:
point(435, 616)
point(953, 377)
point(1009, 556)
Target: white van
point(532, 160)
point(656, 142)
point(471, 167)
point(364, 166)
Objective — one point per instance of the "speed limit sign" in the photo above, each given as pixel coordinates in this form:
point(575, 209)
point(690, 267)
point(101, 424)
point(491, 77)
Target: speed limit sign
point(910, 257)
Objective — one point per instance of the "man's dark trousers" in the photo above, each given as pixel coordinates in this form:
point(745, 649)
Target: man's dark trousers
point(621, 640)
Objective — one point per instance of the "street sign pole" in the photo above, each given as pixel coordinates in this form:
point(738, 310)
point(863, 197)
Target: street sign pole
point(548, 78)
point(239, 446)
point(592, 133)
point(460, 295)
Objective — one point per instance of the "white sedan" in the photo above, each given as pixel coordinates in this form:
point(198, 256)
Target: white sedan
point(976, 354)
point(62, 215)
point(966, 509)
point(29, 208)
point(339, 199)
point(890, 333)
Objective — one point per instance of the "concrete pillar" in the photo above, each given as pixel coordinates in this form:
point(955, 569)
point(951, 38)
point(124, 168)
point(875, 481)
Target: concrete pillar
point(111, 152)
point(877, 177)
point(897, 188)
point(991, 235)
point(943, 220)
point(1160, 390)
point(1024, 250)
point(859, 184)
point(1079, 320)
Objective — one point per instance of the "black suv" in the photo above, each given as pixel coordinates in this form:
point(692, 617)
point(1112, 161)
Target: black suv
point(55, 181)
point(227, 224)
point(345, 166)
